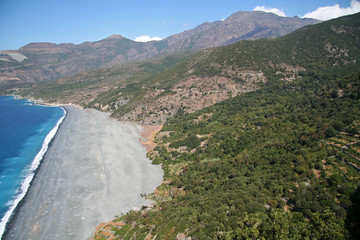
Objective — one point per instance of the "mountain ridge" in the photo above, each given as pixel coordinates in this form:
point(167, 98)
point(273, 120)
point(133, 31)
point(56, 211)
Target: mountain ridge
point(192, 82)
point(215, 74)
point(49, 61)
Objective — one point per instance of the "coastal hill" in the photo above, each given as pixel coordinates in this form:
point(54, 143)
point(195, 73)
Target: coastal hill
point(38, 62)
point(278, 162)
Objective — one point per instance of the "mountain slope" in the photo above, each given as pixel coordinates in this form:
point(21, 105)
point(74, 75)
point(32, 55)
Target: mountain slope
point(47, 61)
point(216, 74)
point(281, 162)
point(239, 26)
point(102, 83)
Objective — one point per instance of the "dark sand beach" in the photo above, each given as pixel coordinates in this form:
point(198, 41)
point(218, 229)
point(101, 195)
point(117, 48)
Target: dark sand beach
point(96, 168)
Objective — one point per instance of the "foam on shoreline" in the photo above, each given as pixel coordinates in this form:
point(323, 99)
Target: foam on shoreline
point(95, 169)
point(31, 173)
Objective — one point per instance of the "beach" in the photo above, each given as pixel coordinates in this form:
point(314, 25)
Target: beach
point(94, 170)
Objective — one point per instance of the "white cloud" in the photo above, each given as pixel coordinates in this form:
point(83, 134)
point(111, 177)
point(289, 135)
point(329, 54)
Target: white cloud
point(146, 38)
point(329, 12)
point(271, 10)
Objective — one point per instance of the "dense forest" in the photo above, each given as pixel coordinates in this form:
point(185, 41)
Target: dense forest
point(281, 162)
point(259, 166)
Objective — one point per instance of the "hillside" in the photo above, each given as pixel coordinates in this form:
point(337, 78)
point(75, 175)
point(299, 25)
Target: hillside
point(100, 84)
point(214, 74)
point(280, 162)
point(49, 61)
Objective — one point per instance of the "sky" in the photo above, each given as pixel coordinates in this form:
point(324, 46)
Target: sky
point(77, 21)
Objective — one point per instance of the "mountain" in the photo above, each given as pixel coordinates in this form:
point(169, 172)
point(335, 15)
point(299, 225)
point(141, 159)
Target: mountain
point(209, 76)
point(48, 61)
point(239, 26)
point(279, 162)
point(216, 74)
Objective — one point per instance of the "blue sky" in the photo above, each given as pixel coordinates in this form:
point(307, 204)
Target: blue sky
point(76, 21)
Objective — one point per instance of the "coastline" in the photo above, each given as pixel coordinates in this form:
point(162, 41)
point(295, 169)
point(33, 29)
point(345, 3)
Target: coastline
point(26, 184)
point(95, 169)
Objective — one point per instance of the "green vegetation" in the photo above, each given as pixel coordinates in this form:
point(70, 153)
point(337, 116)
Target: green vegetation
point(312, 49)
point(190, 142)
point(277, 163)
point(271, 158)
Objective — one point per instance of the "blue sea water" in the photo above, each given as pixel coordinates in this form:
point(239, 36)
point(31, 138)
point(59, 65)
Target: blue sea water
point(26, 130)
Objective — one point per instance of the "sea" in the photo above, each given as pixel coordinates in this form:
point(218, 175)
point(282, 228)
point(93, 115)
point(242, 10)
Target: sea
point(26, 130)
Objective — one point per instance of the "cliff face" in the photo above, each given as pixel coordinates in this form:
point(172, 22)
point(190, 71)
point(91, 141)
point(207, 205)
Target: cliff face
point(48, 61)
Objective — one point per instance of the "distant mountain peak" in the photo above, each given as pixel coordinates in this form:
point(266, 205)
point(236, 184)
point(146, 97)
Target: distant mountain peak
point(38, 45)
point(114, 36)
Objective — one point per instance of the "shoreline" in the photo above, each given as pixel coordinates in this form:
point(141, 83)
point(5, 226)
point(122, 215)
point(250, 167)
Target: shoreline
point(84, 180)
point(41, 102)
point(27, 182)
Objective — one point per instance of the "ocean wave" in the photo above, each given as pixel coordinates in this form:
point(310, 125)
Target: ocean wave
point(31, 173)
